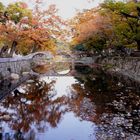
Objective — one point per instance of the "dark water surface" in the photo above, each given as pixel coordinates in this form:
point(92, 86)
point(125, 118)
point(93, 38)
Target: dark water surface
point(92, 106)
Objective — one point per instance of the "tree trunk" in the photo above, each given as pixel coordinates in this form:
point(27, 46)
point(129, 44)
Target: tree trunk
point(13, 48)
point(4, 51)
point(33, 49)
point(138, 43)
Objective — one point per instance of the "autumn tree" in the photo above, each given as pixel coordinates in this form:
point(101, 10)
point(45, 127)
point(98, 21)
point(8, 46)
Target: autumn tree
point(112, 25)
point(29, 30)
point(10, 20)
point(91, 30)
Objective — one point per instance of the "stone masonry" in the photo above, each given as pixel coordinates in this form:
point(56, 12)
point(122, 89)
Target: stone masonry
point(127, 66)
point(12, 65)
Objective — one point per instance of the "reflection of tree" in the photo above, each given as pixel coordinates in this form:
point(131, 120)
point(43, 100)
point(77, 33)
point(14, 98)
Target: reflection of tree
point(56, 111)
point(81, 104)
point(86, 105)
point(83, 69)
point(109, 106)
point(91, 95)
point(115, 105)
point(33, 106)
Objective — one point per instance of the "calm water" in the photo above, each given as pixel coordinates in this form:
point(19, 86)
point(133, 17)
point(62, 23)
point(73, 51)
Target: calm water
point(94, 106)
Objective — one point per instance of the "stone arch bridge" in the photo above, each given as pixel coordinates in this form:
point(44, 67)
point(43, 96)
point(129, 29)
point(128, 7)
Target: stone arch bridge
point(20, 65)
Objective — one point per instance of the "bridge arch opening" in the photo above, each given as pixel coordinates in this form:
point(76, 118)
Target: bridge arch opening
point(62, 68)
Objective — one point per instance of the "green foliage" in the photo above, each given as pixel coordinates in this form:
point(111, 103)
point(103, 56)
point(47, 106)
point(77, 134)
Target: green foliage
point(1, 7)
point(116, 24)
point(97, 43)
point(125, 21)
point(80, 47)
point(17, 11)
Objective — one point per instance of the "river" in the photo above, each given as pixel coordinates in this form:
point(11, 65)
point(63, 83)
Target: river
point(92, 106)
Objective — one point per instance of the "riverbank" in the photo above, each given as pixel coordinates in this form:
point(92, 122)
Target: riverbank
point(128, 67)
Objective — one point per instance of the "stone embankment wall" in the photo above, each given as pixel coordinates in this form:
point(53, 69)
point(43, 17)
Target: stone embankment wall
point(127, 66)
point(11, 65)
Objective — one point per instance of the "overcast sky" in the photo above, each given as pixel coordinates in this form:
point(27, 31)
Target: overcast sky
point(67, 8)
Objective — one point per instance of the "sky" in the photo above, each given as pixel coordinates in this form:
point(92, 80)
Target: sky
point(67, 8)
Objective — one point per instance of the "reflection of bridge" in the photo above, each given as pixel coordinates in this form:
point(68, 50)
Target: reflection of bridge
point(70, 70)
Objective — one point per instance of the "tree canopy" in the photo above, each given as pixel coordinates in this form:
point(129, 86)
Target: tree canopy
point(111, 25)
point(32, 30)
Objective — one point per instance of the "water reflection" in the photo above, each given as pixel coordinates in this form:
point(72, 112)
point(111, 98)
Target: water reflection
point(117, 106)
point(62, 68)
point(32, 106)
point(94, 106)
point(41, 69)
